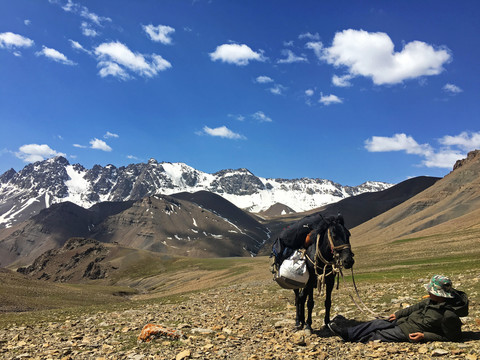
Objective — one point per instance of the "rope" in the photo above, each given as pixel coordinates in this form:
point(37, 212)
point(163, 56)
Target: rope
point(365, 307)
point(336, 270)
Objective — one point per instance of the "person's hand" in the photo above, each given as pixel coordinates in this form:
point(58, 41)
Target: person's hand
point(392, 317)
point(417, 336)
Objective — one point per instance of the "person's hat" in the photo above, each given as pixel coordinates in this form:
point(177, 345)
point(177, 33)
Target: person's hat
point(440, 285)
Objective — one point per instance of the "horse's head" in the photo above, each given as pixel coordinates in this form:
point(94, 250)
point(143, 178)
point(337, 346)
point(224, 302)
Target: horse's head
point(339, 240)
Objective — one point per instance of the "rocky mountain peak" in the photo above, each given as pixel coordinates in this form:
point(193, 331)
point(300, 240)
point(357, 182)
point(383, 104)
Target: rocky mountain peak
point(472, 156)
point(41, 184)
point(7, 176)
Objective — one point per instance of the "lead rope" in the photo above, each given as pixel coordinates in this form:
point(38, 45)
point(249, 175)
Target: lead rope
point(337, 271)
point(365, 307)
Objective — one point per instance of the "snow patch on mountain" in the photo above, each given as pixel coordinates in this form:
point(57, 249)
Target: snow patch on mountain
point(56, 180)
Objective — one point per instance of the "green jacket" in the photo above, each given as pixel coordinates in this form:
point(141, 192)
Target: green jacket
point(438, 322)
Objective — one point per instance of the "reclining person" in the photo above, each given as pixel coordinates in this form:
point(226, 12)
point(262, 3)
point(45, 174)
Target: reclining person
point(436, 318)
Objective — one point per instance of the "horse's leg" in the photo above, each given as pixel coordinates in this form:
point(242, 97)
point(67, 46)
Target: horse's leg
point(329, 283)
point(300, 308)
point(310, 304)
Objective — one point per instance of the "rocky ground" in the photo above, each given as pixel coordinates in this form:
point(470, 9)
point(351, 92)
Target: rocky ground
point(253, 320)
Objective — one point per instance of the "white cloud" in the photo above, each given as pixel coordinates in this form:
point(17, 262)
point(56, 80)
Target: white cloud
point(115, 59)
point(159, 33)
point(109, 68)
point(222, 132)
point(97, 20)
point(99, 145)
point(309, 92)
point(310, 36)
point(288, 43)
point(54, 55)
point(10, 40)
point(35, 152)
point(75, 8)
point(372, 55)
point(131, 157)
point(236, 54)
point(237, 117)
point(260, 116)
point(466, 141)
point(453, 148)
point(317, 48)
point(110, 135)
point(80, 146)
point(88, 30)
point(92, 20)
point(443, 159)
point(398, 142)
point(77, 46)
point(263, 79)
point(27, 22)
point(342, 81)
point(291, 58)
point(452, 89)
point(330, 99)
point(277, 89)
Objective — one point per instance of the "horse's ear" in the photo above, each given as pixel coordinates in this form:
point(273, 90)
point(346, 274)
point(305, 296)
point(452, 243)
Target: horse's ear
point(340, 219)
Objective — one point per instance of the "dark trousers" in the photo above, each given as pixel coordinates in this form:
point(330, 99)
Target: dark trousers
point(383, 330)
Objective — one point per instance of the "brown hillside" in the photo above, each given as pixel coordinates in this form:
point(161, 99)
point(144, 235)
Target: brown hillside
point(179, 227)
point(451, 204)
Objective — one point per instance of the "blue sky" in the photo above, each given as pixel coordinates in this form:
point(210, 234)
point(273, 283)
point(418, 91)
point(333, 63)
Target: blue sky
point(343, 90)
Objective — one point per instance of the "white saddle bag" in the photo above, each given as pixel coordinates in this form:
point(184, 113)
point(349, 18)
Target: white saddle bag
point(293, 273)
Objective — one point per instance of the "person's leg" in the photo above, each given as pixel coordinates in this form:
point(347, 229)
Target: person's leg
point(358, 332)
point(394, 334)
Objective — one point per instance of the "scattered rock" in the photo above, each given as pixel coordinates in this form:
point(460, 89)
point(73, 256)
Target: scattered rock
point(257, 325)
point(183, 355)
point(440, 352)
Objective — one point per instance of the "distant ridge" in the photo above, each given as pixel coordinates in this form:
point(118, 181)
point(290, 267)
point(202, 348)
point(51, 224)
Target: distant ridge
point(451, 204)
point(360, 208)
point(197, 225)
point(277, 210)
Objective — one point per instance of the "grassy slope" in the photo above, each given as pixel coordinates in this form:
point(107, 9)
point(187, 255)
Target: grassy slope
point(159, 278)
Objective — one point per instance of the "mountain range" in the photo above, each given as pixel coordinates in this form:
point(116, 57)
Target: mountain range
point(204, 224)
point(41, 184)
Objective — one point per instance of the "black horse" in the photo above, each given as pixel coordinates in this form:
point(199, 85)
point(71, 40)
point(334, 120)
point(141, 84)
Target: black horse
point(329, 252)
point(327, 248)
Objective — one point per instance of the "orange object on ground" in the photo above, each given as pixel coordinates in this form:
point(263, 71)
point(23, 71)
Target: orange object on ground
point(152, 331)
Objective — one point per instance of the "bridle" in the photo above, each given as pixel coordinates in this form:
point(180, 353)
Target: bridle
point(335, 265)
point(336, 269)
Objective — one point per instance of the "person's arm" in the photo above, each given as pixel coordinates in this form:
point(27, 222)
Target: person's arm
point(450, 330)
point(452, 326)
point(416, 336)
point(407, 311)
point(430, 336)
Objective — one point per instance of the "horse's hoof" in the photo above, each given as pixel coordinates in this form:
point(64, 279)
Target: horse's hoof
point(298, 327)
point(308, 331)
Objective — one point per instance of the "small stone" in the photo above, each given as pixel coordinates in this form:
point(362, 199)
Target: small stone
point(298, 338)
point(440, 352)
point(183, 355)
point(423, 350)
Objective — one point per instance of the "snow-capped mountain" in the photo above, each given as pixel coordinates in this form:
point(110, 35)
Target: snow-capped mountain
point(41, 184)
